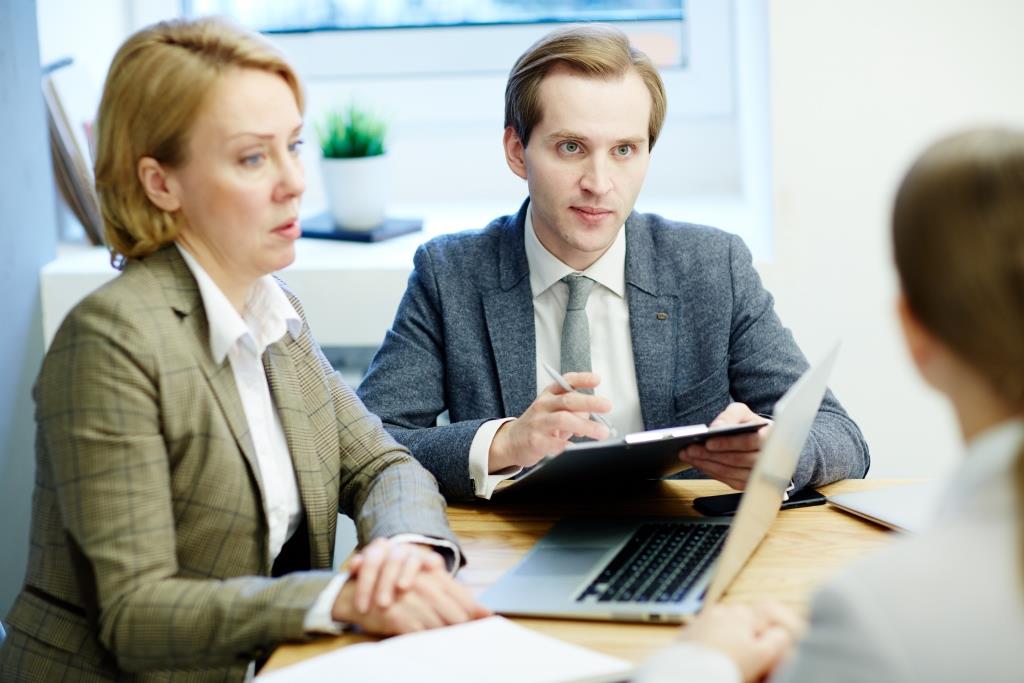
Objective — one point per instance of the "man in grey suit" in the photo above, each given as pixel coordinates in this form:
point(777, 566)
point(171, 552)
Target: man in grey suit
point(657, 323)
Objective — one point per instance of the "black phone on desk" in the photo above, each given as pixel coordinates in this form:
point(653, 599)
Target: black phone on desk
point(726, 504)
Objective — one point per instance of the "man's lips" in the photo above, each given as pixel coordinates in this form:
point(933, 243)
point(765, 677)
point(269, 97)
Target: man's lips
point(591, 214)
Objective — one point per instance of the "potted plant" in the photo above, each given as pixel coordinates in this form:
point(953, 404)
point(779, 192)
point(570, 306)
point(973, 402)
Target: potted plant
point(354, 167)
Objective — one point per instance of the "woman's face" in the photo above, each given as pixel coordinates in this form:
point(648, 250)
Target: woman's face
point(240, 187)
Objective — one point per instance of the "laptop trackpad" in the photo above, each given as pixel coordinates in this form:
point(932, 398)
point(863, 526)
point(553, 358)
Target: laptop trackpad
point(560, 561)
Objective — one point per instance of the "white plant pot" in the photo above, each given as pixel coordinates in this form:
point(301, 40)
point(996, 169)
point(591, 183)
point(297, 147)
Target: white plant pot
point(357, 191)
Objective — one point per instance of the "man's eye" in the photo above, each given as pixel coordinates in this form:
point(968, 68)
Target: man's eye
point(624, 150)
point(570, 147)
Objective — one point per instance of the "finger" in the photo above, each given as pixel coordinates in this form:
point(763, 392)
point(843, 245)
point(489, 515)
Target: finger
point(423, 608)
point(373, 557)
point(581, 380)
point(777, 614)
point(444, 605)
point(739, 442)
point(465, 599)
point(573, 423)
point(771, 646)
point(579, 403)
point(736, 477)
point(400, 618)
point(433, 560)
point(743, 459)
point(582, 425)
point(734, 414)
point(694, 451)
point(389, 571)
point(410, 568)
point(421, 559)
point(587, 380)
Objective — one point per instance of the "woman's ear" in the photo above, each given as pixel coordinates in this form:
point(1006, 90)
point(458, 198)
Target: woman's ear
point(157, 185)
point(925, 348)
point(515, 152)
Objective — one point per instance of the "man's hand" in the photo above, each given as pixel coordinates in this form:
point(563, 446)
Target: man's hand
point(755, 637)
point(729, 459)
point(400, 588)
point(548, 424)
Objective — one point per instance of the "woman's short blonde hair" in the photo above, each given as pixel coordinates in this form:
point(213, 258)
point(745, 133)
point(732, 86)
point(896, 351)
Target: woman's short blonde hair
point(593, 50)
point(156, 85)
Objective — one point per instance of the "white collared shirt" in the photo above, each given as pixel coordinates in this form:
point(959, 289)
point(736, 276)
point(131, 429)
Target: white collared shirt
point(242, 340)
point(611, 344)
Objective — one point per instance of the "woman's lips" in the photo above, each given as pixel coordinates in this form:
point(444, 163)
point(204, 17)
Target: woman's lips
point(289, 230)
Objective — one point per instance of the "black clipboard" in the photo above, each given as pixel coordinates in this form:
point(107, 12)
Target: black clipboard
point(595, 467)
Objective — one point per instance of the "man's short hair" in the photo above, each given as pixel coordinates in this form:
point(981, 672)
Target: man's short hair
point(593, 50)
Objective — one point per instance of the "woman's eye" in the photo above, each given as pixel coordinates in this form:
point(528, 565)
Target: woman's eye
point(295, 146)
point(570, 147)
point(252, 159)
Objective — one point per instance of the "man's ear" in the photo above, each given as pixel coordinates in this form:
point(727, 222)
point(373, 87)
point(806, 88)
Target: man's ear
point(157, 184)
point(515, 152)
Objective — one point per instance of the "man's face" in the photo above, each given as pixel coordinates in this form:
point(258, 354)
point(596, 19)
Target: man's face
point(585, 162)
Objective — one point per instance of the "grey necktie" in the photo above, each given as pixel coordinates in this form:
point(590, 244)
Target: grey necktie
point(575, 356)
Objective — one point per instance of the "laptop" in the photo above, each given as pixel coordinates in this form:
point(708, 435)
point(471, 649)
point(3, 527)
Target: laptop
point(906, 507)
point(661, 569)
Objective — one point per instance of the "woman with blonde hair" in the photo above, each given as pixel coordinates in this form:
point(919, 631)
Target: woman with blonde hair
point(947, 605)
point(194, 447)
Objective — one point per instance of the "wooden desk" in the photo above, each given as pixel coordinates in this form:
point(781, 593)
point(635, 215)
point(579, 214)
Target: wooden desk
point(804, 547)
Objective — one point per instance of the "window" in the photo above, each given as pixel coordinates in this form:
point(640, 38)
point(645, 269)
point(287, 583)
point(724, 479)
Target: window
point(431, 37)
point(436, 70)
point(315, 15)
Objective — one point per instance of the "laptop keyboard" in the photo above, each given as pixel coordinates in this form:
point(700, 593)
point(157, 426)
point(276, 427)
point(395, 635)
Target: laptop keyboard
point(659, 563)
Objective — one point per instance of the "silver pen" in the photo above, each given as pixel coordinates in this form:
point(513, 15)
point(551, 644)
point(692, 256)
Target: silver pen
point(568, 387)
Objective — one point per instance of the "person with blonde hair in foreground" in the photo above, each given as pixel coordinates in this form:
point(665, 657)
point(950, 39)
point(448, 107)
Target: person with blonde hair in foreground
point(194, 446)
point(947, 605)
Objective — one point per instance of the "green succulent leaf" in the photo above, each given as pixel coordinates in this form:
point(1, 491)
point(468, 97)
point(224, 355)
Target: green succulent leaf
point(351, 133)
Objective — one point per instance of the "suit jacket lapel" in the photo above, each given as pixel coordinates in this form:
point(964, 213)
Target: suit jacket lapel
point(654, 321)
point(298, 432)
point(509, 314)
point(182, 293)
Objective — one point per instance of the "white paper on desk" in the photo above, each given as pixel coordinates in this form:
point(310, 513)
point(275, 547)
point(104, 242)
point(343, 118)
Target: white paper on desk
point(492, 650)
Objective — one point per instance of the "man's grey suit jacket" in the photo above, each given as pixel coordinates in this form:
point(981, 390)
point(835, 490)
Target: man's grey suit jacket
point(704, 333)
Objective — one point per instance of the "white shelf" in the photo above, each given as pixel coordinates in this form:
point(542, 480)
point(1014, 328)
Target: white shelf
point(350, 291)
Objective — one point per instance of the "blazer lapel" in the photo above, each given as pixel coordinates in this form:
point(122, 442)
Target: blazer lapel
point(298, 432)
point(182, 293)
point(654, 319)
point(509, 314)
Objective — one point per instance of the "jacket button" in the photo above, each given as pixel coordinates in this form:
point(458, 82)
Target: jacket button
point(662, 315)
